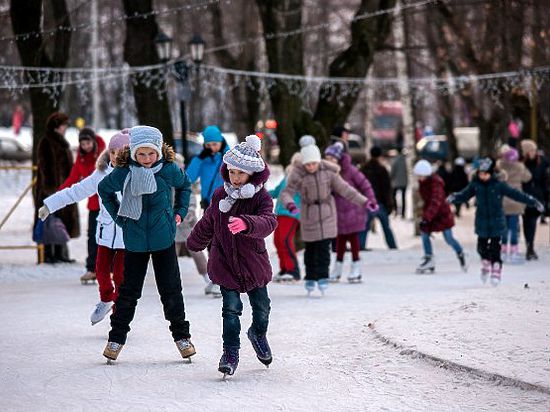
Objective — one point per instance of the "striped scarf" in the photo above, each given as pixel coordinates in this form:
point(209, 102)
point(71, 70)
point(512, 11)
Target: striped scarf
point(140, 181)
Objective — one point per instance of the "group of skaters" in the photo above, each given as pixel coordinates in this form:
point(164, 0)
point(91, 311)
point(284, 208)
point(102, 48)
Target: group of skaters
point(143, 213)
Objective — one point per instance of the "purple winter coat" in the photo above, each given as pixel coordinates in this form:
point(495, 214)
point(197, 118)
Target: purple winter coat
point(237, 262)
point(352, 217)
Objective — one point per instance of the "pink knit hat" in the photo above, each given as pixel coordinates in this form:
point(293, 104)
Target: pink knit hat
point(120, 139)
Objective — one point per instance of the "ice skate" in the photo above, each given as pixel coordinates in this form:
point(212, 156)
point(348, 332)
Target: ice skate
point(504, 252)
point(213, 289)
point(485, 270)
point(112, 350)
point(531, 254)
point(355, 272)
point(322, 284)
point(278, 277)
point(310, 286)
point(186, 348)
point(229, 361)
point(462, 260)
point(87, 277)
point(336, 273)
point(427, 265)
point(496, 273)
point(515, 257)
point(100, 311)
point(261, 347)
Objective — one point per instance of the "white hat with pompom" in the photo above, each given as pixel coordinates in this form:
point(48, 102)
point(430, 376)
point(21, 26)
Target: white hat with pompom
point(246, 156)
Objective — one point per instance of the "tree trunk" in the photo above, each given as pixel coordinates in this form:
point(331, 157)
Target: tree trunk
point(26, 16)
point(139, 50)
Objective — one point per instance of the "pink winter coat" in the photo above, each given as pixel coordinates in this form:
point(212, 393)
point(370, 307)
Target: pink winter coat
point(352, 217)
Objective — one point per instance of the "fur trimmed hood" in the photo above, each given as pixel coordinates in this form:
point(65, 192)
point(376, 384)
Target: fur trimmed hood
point(123, 158)
point(103, 161)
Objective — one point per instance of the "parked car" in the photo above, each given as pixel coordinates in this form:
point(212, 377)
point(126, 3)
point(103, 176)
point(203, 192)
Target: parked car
point(12, 149)
point(433, 148)
point(357, 150)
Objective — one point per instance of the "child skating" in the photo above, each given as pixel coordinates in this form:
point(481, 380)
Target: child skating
point(490, 220)
point(235, 225)
point(351, 217)
point(146, 174)
point(436, 216)
point(316, 179)
point(110, 244)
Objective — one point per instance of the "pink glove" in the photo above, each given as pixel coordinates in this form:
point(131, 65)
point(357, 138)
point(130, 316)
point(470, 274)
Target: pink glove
point(371, 206)
point(292, 208)
point(236, 225)
point(178, 220)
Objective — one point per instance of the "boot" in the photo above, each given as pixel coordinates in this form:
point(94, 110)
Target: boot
point(496, 273)
point(88, 277)
point(515, 256)
point(427, 265)
point(112, 350)
point(261, 347)
point(310, 286)
point(485, 270)
point(49, 254)
point(229, 361)
point(355, 272)
point(530, 254)
point(213, 289)
point(336, 273)
point(62, 253)
point(322, 284)
point(100, 311)
point(186, 348)
point(462, 260)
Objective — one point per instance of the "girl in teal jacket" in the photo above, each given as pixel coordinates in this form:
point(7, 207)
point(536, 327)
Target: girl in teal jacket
point(148, 215)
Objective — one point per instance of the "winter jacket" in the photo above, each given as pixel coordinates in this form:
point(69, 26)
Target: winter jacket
point(490, 220)
point(318, 219)
point(539, 185)
point(83, 167)
point(352, 217)
point(399, 174)
point(514, 174)
point(280, 209)
point(435, 211)
point(208, 171)
point(458, 180)
point(108, 234)
point(156, 227)
point(237, 262)
point(54, 161)
point(379, 178)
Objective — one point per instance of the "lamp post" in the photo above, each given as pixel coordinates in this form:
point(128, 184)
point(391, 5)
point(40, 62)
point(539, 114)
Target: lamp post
point(181, 74)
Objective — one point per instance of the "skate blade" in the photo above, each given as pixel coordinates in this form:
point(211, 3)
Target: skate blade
point(110, 362)
point(424, 271)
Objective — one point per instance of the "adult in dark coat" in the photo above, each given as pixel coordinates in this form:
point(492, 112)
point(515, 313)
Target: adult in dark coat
point(379, 177)
point(54, 162)
point(458, 180)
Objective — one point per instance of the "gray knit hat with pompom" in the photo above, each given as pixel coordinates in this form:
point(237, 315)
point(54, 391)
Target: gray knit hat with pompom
point(246, 156)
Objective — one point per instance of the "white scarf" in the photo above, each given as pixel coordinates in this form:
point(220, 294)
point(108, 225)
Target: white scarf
point(246, 191)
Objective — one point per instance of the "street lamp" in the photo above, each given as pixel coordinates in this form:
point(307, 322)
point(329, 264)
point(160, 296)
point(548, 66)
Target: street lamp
point(163, 43)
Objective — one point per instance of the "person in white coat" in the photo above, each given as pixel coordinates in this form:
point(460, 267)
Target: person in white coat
point(110, 244)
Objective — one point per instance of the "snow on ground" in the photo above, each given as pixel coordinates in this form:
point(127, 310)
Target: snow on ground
point(325, 356)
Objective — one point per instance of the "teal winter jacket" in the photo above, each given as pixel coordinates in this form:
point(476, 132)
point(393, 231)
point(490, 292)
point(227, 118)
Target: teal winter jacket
point(280, 209)
point(156, 227)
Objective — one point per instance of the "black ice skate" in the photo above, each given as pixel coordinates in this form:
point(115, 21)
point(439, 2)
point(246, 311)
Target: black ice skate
point(427, 265)
point(462, 260)
point(229, 361)
point(261, 347)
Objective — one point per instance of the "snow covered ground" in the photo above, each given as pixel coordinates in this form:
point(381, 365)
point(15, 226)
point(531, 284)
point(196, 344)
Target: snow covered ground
point(325, 355)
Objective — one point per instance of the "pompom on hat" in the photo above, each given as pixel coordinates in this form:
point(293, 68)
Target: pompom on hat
point(120, 140)
point(459, 161)
point(246, 156)
point(145, 136)
point(306, 140)
point(422, 168)
point(511, 155)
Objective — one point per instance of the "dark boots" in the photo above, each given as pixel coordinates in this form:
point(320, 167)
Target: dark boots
point(531, 254)
point(57, 254)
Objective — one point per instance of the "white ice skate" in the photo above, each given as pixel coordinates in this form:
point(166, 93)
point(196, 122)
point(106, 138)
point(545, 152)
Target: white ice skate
point(310, 286)
point(322, 284)
point(496, 273)
point(213, 289)
point(427, 265)
point(485, 270)
point(100, 311)
point(88, 277)
point(515, 258)
point(355, 272)
point(336, 273)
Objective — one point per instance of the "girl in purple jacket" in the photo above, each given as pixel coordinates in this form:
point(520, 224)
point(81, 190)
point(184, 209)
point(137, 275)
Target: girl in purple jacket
point(234, 227)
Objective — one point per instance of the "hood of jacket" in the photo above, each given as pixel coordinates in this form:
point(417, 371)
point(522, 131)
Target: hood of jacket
point(103, 161)
point(123, 158)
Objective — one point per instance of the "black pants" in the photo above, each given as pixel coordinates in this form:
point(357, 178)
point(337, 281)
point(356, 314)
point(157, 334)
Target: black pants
point(403, 191)
point(317, 259)
point(530, 218)
point(167, 276)
point(489, 248)
point(92, 245)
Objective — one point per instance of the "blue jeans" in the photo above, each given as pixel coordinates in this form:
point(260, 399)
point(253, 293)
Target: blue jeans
point(232, 309)
point(382, 215)
point(512, 229)
point(447, 235)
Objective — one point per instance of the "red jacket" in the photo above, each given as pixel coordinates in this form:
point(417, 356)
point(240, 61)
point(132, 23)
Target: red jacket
point(436, 211)
point(83, 167)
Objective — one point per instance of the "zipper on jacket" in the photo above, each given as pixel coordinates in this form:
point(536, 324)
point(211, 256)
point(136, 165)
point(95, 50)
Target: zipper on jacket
point(319, 205)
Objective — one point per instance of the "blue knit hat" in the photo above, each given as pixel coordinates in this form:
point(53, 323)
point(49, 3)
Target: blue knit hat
point(335, 150)
point(212, 134)
point(245, 156)
point(145, 136)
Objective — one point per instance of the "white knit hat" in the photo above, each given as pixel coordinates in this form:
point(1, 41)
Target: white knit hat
point(245, 156)
point(422, 168)
point(145, 136)
point(310, 154)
